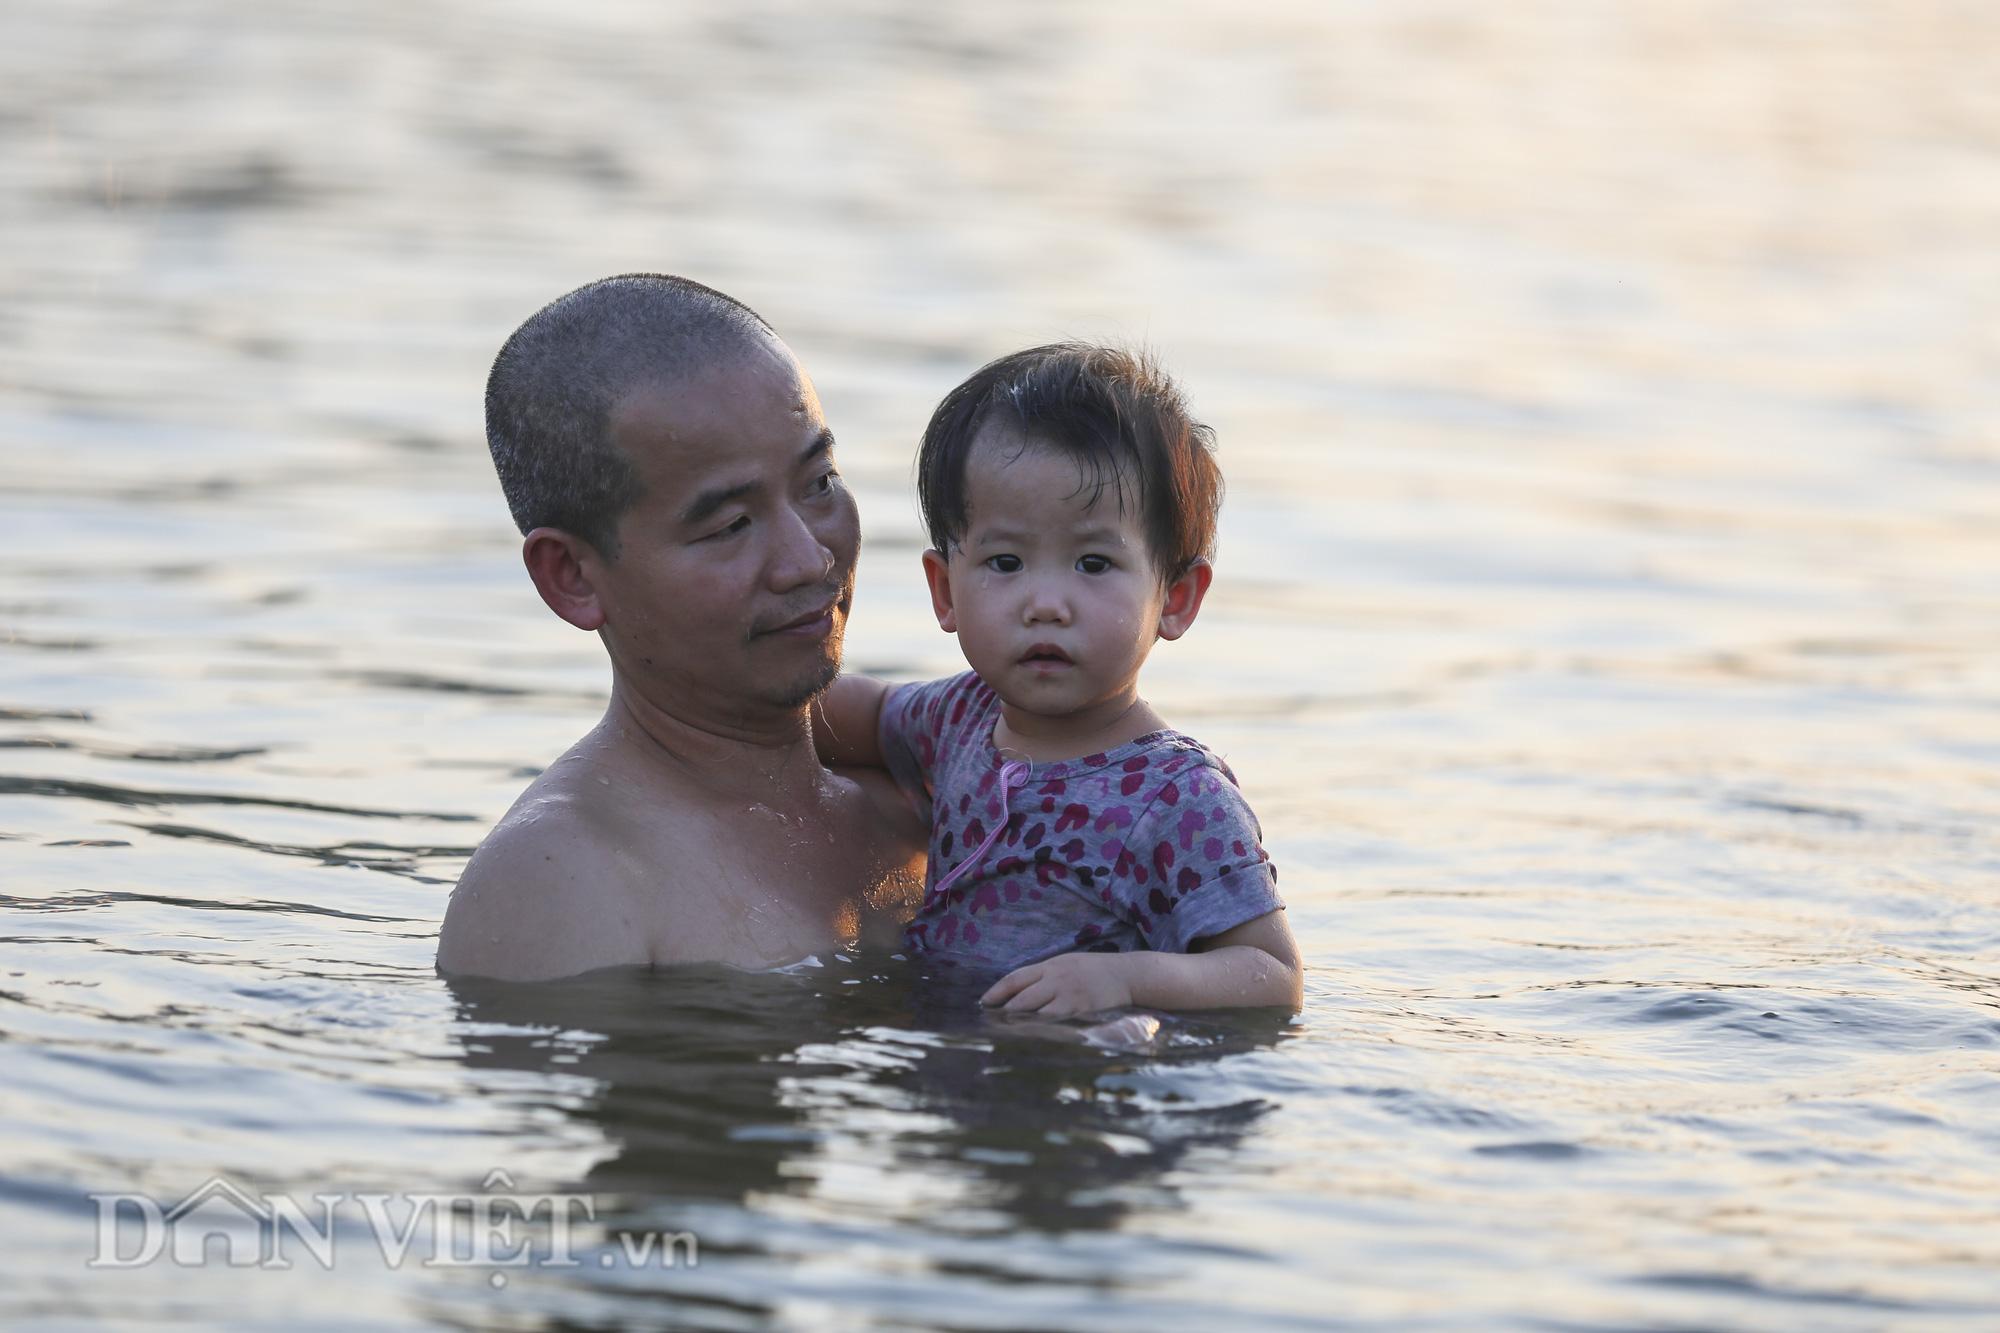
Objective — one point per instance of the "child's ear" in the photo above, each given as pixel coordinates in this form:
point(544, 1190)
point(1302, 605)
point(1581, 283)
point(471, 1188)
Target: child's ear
point(937, 572)
point(1183, 600)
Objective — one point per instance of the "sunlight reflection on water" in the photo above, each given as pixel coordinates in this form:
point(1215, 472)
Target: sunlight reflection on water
point(1605, 632)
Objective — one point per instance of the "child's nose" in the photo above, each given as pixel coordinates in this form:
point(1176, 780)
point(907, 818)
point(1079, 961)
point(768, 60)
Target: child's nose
point(1046, 605)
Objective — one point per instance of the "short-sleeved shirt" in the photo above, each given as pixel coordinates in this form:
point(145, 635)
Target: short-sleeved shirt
point(1146, 846)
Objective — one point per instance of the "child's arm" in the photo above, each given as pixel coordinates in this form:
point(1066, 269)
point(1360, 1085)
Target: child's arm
point(846, 721)
point(1256, 963)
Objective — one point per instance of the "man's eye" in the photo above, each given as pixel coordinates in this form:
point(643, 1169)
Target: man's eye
point(741, 522)
point(1094, 564)
point(822, 484)
point(1004, 564)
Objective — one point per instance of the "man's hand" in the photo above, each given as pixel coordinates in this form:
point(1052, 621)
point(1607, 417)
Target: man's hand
point(1065, 986)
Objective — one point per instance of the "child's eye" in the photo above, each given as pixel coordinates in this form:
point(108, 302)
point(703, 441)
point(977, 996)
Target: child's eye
point(1004, 564)
point(1094, 564)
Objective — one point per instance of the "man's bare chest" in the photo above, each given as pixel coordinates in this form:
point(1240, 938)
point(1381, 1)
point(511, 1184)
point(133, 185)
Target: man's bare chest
point(756, 887)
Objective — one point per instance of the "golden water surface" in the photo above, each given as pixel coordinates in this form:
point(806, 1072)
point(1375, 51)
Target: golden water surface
point(1607, 631)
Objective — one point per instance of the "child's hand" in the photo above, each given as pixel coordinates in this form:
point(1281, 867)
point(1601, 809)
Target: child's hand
point(1064, 986)
point(1256, 963)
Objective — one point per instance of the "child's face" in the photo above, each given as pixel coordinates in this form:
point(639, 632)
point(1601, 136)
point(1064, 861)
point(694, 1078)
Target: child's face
point(1056, 601)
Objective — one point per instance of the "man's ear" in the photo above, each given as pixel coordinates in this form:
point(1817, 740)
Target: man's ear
point(938, 574)
point(565, 568)
point(1183, 600)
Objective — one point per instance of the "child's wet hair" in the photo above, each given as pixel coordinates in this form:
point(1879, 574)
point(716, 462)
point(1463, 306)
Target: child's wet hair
point(1114, 411)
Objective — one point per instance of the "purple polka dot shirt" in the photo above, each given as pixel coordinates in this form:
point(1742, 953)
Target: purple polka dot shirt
point(1148, 846)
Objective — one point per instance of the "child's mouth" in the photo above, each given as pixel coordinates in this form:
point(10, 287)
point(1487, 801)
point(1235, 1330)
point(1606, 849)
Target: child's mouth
point(1045, 654)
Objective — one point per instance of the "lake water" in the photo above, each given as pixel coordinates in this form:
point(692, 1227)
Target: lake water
point(1607, 631)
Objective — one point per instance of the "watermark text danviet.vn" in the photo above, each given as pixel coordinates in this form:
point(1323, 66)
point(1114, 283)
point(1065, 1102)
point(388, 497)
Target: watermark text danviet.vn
point(220, 1222)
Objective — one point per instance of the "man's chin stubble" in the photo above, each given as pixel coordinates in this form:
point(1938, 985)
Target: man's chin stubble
point(810, 686)
point(814, 682)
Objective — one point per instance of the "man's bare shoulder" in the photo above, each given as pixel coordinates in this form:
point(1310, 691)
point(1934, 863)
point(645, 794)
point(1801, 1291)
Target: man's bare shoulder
point(546, 893)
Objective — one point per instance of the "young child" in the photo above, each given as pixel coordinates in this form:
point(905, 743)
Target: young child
point(1078, 845)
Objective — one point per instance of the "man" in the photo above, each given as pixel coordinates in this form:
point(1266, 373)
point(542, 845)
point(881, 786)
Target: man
point(667, 460)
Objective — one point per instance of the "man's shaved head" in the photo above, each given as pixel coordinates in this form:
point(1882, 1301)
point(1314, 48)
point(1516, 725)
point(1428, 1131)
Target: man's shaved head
point(557, 381)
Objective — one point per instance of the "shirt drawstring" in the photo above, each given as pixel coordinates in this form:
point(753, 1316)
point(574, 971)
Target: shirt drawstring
point(1012, 774)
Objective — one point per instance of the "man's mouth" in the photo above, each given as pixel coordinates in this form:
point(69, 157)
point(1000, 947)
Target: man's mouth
point(814, 624)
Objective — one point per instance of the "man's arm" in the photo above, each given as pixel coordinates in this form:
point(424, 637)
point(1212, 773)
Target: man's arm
point(898, 886)
point(1254, 964)
point(846, 722)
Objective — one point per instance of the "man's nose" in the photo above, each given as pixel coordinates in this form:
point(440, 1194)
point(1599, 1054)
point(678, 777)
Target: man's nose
point(800, 558)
